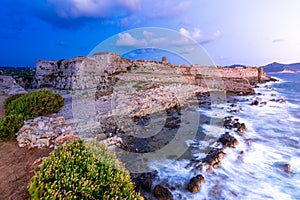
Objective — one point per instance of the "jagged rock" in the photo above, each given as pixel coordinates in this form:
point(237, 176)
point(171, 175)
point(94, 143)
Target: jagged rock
point(215, 155)
point(45, 132)
point(195, 184)
point(145, 180)
point(227, 140)
point(241, 129)
point(162, 193)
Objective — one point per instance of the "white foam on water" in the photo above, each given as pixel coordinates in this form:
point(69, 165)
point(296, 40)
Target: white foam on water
point(259, 172)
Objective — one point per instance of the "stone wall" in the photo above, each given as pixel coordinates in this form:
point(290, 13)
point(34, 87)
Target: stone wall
point(101, 71)
point(65, 74)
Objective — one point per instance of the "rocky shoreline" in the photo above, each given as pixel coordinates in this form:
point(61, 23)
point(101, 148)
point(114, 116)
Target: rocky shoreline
point(134, 97)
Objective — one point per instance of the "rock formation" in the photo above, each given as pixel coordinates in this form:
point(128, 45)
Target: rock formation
point(9, 86)
point(45, 132)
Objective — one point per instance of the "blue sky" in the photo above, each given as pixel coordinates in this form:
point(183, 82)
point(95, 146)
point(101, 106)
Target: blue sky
point(251, 32)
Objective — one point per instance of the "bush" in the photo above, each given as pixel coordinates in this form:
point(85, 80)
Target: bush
point(19, 108)
point(33, 104)
point(82, 171)
point(10, 99)
point(9, 125)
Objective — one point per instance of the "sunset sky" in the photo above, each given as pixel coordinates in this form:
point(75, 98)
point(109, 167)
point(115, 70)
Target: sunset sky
point(250, 32)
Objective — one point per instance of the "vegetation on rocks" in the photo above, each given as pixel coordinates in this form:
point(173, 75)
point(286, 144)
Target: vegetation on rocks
point(19, 108)
point(82, 171)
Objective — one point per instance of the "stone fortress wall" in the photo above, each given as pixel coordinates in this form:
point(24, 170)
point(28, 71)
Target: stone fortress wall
point(64, 74)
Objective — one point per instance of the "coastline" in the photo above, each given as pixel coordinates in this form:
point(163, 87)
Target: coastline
point(172, 99)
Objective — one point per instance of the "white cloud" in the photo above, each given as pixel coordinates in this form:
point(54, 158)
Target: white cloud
point(195, 34)
point(126, 40)
point(94, 8)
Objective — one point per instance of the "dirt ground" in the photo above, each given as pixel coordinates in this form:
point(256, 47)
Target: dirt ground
point(16, 166)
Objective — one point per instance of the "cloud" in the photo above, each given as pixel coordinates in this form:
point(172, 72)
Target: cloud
point(216, 35)
point(73, 9)
point(82, 8)
point(149, 39)
point(126, 40)
point(196, 35)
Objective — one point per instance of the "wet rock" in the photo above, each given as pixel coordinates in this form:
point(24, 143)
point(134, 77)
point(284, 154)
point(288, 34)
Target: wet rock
point(228, 122)
point(235, 110)
point(216, 165)
point(227, 140)
point(249, 141)
point(195, 184)
point(254, 103)
point(236, 125)
point(145, 180)
point(215, 155)
point(241, 129)
point(263, 103)
point(162, 193)
point(287, 168)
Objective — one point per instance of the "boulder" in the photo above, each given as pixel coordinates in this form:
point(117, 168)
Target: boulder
point(195, 184)
point(241, 129)
point(162, 193)
point(227, 140)
point(215, 155)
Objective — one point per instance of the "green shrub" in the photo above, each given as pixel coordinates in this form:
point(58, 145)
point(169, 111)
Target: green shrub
point(82, 171)
point(9, 125)
point(10, 99)
point(19, 108)
point(37, 103)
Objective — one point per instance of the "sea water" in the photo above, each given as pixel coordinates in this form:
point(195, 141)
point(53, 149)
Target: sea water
point(274, 129)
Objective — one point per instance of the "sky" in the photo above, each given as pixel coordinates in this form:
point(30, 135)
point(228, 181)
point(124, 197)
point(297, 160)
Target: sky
point(249, 32)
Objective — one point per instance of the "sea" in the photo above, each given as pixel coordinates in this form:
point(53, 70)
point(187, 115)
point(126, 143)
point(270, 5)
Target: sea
point(269, 167)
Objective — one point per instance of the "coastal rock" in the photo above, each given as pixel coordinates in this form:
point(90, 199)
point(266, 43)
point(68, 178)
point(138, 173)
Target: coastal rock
point(215, 155)
point(227, 140)
point(241, 130)
point(255, 103)
point(162, 193)
point(195, 184)
point(287, 168)
point(145, 180)
point(45, 132)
